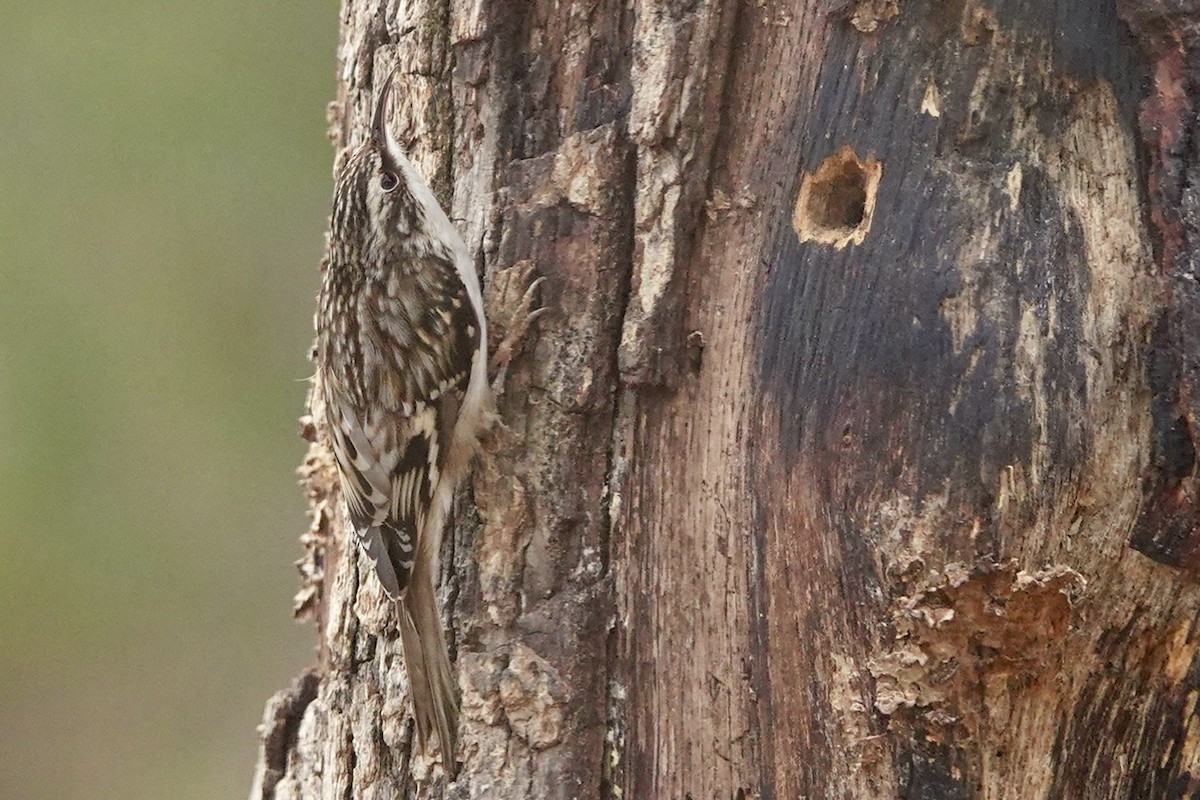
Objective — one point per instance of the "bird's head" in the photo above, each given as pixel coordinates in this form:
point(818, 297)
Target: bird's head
point(375, 192)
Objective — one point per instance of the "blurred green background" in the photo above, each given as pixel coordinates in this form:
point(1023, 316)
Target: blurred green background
point(164, 187)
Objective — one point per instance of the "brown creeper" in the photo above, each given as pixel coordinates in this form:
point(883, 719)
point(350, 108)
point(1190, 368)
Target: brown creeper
point(401, 357)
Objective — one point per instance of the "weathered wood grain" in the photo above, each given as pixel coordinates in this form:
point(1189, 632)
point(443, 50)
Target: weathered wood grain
point(869, 351)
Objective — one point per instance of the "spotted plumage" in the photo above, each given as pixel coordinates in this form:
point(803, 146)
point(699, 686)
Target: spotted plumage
point(401, 343)
point(398, 355)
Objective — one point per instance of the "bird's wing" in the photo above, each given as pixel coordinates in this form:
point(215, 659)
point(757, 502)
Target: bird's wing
point(418, 334)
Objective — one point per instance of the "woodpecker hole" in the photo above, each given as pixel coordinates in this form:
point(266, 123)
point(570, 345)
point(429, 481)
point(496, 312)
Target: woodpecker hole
point(837, 201)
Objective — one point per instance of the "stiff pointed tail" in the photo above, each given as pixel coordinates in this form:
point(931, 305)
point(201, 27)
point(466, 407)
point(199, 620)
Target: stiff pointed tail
point(430, 678)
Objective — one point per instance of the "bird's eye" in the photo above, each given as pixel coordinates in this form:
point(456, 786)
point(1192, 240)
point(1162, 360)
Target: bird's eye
point(388, 181)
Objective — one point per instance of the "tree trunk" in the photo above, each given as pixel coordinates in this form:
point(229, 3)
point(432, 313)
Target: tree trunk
point(873, 343)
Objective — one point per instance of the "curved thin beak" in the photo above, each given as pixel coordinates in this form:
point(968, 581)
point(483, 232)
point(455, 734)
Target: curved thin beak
point(382, 105)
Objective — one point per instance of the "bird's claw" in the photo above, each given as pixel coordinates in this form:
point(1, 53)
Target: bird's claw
point(517, 328)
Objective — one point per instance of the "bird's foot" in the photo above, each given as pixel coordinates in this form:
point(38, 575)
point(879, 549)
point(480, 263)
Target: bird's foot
point(516, 323)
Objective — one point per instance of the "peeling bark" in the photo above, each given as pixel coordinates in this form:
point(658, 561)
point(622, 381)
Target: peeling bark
point(870, 351)
point(1169, 33)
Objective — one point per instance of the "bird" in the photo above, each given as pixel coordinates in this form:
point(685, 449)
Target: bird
point(403, 375)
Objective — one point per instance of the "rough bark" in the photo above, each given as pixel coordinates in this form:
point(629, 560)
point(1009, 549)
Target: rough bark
point(871, 350)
